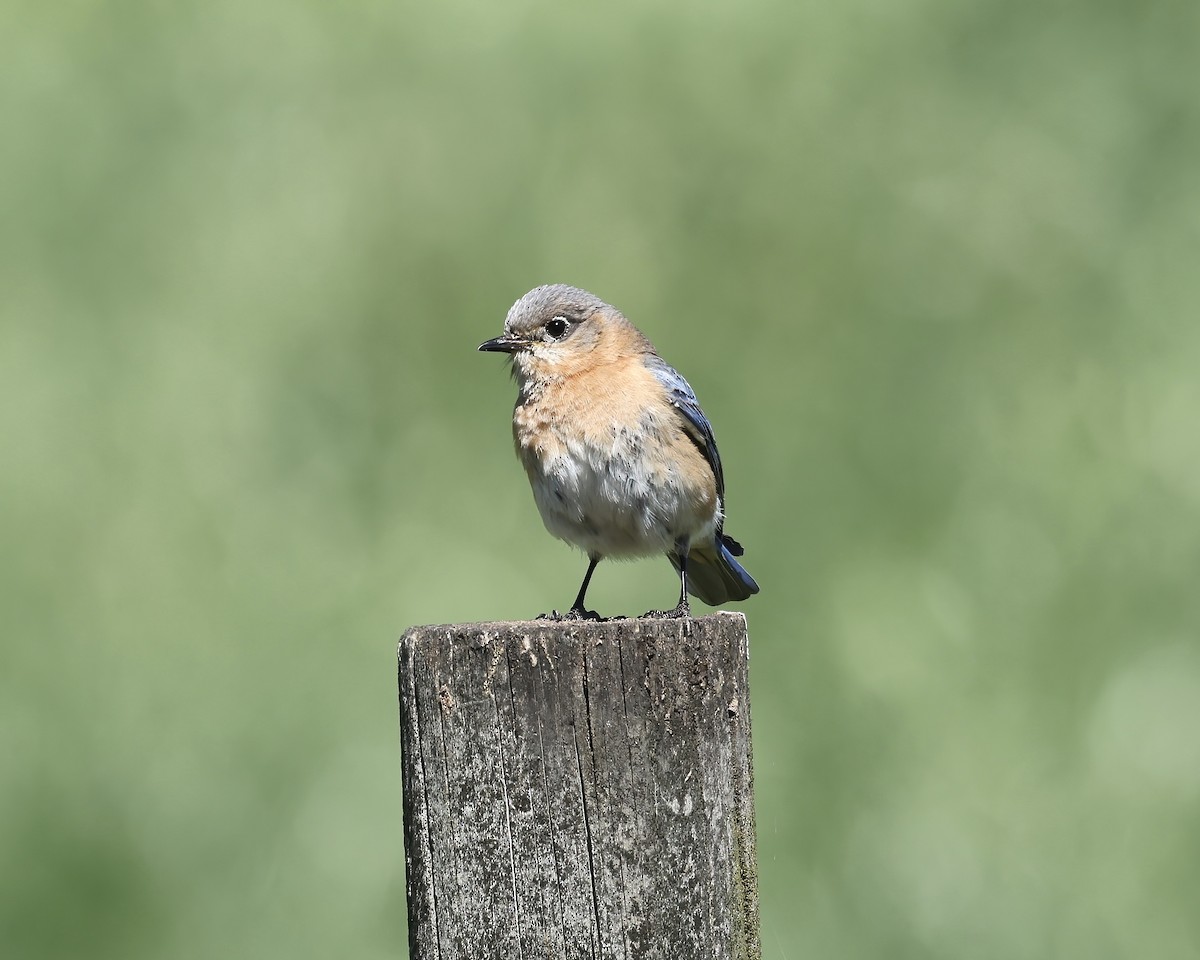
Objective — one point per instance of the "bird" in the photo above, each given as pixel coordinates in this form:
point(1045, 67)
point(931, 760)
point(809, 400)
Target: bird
point(621, 459)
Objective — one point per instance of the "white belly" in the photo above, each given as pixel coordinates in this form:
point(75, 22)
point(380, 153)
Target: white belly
point(616, 501)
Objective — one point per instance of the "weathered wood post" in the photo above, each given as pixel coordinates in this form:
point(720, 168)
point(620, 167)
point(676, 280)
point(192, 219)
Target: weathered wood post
point(579, 790)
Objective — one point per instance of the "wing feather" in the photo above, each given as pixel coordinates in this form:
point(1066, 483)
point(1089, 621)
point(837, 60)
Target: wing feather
point(683, 399)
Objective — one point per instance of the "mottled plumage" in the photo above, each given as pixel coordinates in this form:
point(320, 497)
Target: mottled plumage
point(621, 458)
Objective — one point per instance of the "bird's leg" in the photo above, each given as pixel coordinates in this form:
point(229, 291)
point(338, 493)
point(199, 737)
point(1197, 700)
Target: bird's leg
point(682, 609)
point(578, 611)
point(587, 578)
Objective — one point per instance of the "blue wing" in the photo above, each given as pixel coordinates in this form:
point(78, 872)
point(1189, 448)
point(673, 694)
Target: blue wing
point(680, 393)
point(714, 575)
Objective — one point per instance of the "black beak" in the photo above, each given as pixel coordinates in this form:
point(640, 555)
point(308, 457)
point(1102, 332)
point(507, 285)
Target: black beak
point(501, 345)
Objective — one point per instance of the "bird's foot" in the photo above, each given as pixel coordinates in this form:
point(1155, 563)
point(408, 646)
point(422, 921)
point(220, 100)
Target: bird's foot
point(575, 613)
point(681, 611)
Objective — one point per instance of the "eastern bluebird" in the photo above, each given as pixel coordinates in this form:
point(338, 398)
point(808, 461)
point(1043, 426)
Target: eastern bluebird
point(620, 456)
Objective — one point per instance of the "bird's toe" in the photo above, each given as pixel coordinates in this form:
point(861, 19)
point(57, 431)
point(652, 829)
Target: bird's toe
point(679, 612)
point(580, 613)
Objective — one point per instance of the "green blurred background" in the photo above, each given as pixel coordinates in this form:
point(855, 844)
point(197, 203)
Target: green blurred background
point(933, 270)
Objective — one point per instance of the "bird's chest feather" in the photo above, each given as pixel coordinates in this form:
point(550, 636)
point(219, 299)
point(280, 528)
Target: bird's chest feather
point(587, 462)
point(611, 476)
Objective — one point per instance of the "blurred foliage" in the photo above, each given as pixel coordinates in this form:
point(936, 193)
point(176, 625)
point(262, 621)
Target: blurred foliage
point(932, 269)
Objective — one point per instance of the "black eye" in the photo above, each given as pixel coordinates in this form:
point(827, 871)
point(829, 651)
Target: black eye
point(556, 327)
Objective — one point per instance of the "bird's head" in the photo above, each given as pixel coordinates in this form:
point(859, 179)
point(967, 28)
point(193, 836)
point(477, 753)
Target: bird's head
point(555, 331)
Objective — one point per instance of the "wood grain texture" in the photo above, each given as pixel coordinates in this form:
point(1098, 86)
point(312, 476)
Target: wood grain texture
point(579, 790)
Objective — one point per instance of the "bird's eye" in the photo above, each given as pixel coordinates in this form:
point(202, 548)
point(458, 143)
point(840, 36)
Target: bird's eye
point(556, 326)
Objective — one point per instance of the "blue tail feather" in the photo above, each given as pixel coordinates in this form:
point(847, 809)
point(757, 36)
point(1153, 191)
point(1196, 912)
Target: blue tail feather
point(715, 576)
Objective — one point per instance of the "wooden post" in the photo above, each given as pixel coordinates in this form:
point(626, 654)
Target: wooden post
point(579, 790)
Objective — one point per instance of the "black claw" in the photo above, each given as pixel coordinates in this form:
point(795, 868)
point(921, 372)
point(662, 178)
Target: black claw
point(572, 614)
point(582, 614)
point(680, 612)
